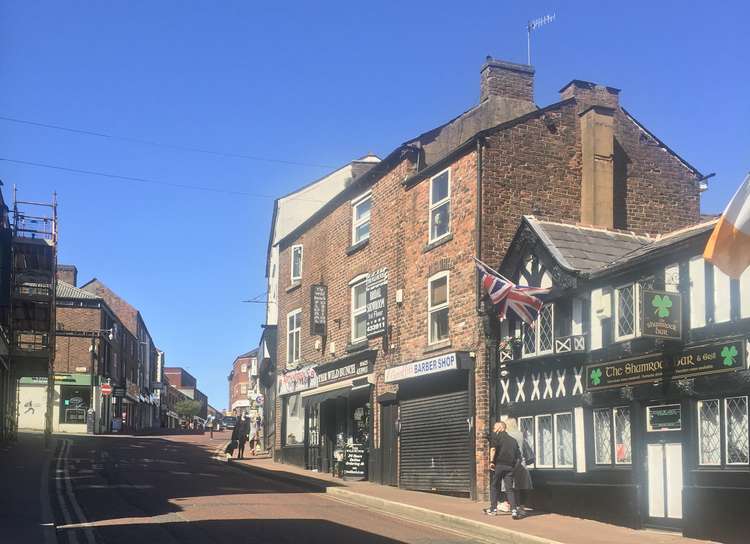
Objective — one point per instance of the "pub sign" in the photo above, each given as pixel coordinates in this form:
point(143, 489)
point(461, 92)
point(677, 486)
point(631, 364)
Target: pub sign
point(319, 310)
point(662, 314)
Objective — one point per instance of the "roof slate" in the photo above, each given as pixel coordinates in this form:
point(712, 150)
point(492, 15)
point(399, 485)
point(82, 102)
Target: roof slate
point(66, 290)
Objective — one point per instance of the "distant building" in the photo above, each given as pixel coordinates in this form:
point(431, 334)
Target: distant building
point(186, 384)
point(239, 381)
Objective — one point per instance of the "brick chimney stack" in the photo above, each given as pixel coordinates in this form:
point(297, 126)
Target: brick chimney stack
point(591, 94)
point(506, 80)
point(67, 273)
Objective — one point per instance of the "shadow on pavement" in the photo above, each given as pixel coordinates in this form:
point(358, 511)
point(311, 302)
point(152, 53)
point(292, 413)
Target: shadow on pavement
point(257, 531)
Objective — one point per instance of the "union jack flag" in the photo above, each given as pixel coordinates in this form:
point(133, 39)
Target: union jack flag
point(505, 294)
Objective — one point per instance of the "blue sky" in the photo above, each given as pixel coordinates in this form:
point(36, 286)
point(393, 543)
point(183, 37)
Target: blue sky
point(314, 83)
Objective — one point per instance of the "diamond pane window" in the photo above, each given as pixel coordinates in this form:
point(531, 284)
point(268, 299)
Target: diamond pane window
point(545, 451)
point(526, 425)
point(709, 432)
point(602, 437)
point(529, 339)
point(623, 454)
point(546, 329)
point(625, 311)
point(737, 431)
point(564, 440)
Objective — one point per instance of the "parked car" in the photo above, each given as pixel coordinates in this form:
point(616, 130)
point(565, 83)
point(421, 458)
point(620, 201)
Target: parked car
point(229, 422)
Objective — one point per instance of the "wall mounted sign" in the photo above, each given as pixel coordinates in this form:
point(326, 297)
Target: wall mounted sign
point(694, 361)
point(318, 310)
point(441, 363)
point(377, 302)
point(667, 417)
point(297, 380)
point(662, 314)
point(332, 373)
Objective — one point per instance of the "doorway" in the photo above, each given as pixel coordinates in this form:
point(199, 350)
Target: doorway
point(664, 465)
point(389, 443)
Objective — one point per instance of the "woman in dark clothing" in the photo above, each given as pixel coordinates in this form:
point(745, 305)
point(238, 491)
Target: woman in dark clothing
point(240, 432)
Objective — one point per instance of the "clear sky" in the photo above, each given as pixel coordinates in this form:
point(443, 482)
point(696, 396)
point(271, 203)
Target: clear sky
point(316, 83)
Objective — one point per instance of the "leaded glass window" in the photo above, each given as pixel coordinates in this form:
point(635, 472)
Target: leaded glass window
point(539, 337)
point(603, 436)
point(626, 312)
point(545, 451)
point(709, 432)
point(621, 419)
point(736, 431)
point(529, 339)
point(564, 440)
point(526, 425)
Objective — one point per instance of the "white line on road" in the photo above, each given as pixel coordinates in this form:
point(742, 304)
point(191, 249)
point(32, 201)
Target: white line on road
point(73, 538)
point(48, 519)
point(87, 531)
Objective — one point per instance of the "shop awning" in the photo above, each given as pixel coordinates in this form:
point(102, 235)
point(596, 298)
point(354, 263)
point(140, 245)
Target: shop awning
point(335, 390)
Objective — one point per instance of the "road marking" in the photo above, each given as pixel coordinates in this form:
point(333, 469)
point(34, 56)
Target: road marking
point(48, 519)
point(72, 537)
point(88, 533)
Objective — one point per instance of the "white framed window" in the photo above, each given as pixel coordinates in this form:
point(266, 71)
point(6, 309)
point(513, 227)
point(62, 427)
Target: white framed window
point(709, 432)
point(736, 431)
point(626, 312)
point(440, 205)
point(539, 337)
point(612, 436)
point(359, 309)
point(437, 307)
point(296, 268)
point(544, 441)
point(243, 368)
point(361, 218)
point(293, 328)
point(526, 426)
point(564, 450)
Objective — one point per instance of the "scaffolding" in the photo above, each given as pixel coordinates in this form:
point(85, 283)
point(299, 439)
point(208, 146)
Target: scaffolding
point(32, 292)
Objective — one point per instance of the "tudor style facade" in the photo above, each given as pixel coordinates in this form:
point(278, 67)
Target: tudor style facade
point(632, 386)
point(411, 348)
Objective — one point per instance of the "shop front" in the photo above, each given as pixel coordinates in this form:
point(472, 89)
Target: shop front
point(427, 428)
point(291, 385)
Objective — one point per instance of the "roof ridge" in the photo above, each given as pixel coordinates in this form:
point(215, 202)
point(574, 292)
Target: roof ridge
point(596, 229)
point(687, 229)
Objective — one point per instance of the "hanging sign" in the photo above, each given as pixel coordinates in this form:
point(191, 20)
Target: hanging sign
point(377, 302)
point(318, 310)
point(662, 314)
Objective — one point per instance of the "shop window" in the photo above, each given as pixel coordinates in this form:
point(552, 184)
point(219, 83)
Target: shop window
point(564, 440)
point(612, 436)
point(74, 403)
point(359, 311)
point(736, 429)
point(709, 432)
point(294, 421)
point(296, 267)
point(294, 327)
point(733, 429)
point(438, 308)
point(361, 219)
point(440, 206)
point(539, 337)
point(626, 312)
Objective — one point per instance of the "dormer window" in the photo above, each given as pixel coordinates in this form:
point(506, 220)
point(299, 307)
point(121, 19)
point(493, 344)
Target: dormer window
point(626, 312)
point(539, 337)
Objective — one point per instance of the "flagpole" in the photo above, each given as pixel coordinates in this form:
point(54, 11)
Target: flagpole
point(493, 270)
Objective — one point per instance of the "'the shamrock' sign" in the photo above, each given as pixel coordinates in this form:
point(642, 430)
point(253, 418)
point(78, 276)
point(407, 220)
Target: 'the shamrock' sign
point(661, 314)
point(662, 305)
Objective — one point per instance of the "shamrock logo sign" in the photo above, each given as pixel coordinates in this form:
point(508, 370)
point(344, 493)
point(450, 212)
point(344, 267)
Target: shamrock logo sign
point(662, 305)
point(729, 353)
point(596, 376)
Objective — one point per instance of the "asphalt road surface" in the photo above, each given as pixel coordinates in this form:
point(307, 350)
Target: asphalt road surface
point(164, 490)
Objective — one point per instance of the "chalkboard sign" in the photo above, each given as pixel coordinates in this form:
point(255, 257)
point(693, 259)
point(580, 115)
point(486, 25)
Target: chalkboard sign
point(377, 302)
point(319, 310)
point(664, 418)
point(355, 462)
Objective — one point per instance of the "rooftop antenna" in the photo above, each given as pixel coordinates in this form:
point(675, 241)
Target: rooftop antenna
point(533, 25)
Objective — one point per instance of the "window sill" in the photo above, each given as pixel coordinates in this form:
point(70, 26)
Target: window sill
point(359, 346)
point(351, 250)
point(293, 446)
point(437, 243)
point(437, 346)
point(293, 286)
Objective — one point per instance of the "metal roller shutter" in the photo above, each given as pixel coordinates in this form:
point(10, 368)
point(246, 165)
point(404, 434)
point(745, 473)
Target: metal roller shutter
point(435, 446)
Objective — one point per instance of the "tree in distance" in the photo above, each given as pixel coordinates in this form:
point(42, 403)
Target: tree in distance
point(187, 408)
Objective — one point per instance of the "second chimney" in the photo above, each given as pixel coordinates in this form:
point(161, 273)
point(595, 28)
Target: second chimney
point(67, 273)
point(597, 150)
point(506, 80)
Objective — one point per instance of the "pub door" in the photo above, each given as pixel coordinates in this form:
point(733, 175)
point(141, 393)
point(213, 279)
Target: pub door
point(389, 443)
point(664, 466)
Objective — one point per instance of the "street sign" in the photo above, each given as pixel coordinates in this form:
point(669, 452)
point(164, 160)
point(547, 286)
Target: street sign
point(106, 389)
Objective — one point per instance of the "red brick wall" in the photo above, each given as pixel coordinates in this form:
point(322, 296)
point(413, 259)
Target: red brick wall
point(238, 378)
point(71, 352)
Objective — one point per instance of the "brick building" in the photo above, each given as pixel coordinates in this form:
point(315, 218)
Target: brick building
point(383, 342)
point(240, 382)
point(185, 383)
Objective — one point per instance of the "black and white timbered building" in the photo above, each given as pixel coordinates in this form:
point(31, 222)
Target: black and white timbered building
point(632, 385)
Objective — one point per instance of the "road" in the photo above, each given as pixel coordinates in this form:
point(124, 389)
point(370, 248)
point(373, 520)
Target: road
point(138, 490)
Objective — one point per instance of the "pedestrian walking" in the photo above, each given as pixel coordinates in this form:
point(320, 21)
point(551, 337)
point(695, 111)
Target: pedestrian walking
point(211, 426)
point(243, 430)
point(521, 476)
point(504, 454)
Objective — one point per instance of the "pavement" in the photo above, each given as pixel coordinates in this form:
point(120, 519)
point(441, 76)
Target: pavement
point(463, 515)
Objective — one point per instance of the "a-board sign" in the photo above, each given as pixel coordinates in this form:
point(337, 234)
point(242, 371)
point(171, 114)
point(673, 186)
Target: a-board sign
point(377, 302)
point(355, 462)
point(662, 314)
point(318, 310)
